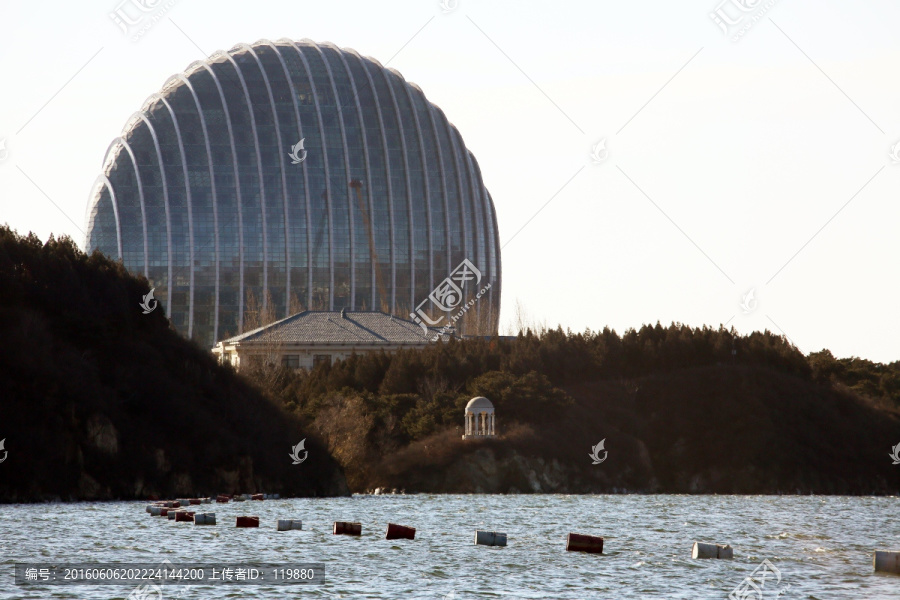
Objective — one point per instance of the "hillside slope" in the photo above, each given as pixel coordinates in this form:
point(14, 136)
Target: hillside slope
point(101, 401)
point(717, 429)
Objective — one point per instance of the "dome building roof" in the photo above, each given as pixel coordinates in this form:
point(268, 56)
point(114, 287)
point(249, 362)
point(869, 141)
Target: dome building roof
point(479, 404)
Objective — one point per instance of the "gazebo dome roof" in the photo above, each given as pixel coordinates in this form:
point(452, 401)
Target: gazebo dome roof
point(479, 403)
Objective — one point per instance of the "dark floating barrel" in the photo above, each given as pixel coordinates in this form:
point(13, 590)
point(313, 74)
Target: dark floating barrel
point(490, 538)
point(400, 532)
point(164, 512)
point(184, 516)
point(247, 522)
point(345, 528)
point(584, 543)
point(195, 501)
point(258, 497)
point(885, 561)
point(222, 499)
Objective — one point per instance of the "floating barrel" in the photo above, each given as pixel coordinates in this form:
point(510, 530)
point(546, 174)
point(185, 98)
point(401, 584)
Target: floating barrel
point(289, 524)
point(345, 528)
point(150, 506)
point(247, 522)
point(164, 512)
point(155, 511)
point(258, 497)
point(886, 561)
point(584, 543)
point(400, 532)
point(182, 516)
point(175, 504)
point(205, 519)
point(222, 499)
point(490, 538)
point(703, 550)
point(194, 501)
point(205, 500)
point(238, 498)
point(171, 514)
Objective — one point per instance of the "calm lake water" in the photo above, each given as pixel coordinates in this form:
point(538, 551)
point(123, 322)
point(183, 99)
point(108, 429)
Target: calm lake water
point(821, 546)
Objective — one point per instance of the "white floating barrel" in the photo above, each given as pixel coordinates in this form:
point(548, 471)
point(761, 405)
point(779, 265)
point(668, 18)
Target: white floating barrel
point(171, 514)
point(155, 510)
point(289, 524)
point(205, 519)
point(490, 538)
point(886, 561)
point(704, 550)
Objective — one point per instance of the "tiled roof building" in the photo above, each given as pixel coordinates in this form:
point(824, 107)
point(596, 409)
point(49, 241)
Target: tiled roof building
point(307, 338)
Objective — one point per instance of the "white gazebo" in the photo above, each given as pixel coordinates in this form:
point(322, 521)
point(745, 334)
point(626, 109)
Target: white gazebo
point(480, 419)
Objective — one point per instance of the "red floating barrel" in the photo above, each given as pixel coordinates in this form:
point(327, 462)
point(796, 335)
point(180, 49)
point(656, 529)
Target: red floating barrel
point(345, 528)
point(584, 543)
point(222, 499)
point(194, 501)
point(164, 512)
point(247, 522)
point(258, 497)
point(184, 516)
point(400, 532)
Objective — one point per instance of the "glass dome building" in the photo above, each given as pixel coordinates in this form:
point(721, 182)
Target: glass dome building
point(289, 176)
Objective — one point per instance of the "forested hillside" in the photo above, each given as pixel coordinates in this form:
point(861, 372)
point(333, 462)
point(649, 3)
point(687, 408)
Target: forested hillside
point(99, 400)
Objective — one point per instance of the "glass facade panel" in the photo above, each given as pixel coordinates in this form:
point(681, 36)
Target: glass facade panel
point(209, 194)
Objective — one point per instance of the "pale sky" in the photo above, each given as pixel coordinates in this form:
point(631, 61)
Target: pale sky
point(759, 164)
